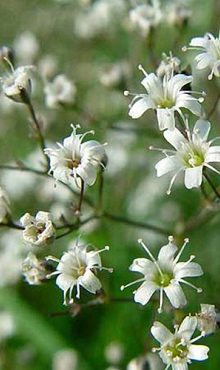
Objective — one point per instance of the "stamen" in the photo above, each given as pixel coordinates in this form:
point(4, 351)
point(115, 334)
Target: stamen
point(140, 241)
point(51, 258)
point(132, 283)
point(189, 260)
point(160, 310)
point(77, 290)
point(172, 181)
point(197, 338)
point(199, 290)
point(142, 70)
point(186, 241)
point(213, 140)
point(109, 269)
point(10, 64)
point(211, 168)
point(164, 151)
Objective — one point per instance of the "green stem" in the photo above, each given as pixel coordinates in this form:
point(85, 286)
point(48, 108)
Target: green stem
point(211, 184)
point(214, 106)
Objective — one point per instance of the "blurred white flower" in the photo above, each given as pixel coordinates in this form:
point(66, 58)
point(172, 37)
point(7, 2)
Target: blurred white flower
point(26, 47)
point(177, 13)
point(4, 207)
point(150, 361)
point(164, 275)
point(60, 91)
point(16, 84)
point(165, 96)
point(191, 155)
point(39, 230)
point(114, 352)
point(209, 56)
point(168, 66)
point(144, 17)
point(177, 350)
point(7, 325)
point(75, 161)
point(35, 271)
point(114, 74)
point(77, 267)
point(48, 66)
point(65, 359)
point(207, 319)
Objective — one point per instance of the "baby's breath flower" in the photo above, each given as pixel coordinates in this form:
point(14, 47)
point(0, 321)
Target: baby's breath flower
point(4, 207)
point(16, 84)
point(168, 66)
point(39, 230)
point(61, 91)
point(207, 319)
point(35, 271)
point(75, 161)
point(77, 267)
point(144, 17)
point(209, 56)
point(165, 96)
point(177, 350)
point(191, 155)
point(164, 275)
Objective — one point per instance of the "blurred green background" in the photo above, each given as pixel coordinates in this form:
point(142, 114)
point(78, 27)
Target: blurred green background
point(131, 188)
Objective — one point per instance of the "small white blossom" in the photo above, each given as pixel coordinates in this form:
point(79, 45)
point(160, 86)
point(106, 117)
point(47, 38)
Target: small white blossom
point(114, 352)
point(177, 13)
point(145, 17)
point(207, 319)
point(168, 66)
point(4, 207)
point(114, 74)
point(65, 359)
point(209, 56)
point(26, 47)
point(164, 275)
point(60, 91)
point(191, 155)
point(16, 84)
point(177, 350)
point(39, 230)
point(35, 271)
point(75, 161)
point(165, 96)
point(7, 325)
point(77, 268)
point(150, 361)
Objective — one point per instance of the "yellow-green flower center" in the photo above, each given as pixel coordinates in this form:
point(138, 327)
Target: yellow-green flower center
point(163, 280)
point(166, 103)
point(81, 270)
point(176, 350)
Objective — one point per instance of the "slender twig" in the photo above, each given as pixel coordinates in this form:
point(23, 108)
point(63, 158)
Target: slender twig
point(75, 226)
point(214, 106)
point(12, 225)
point(211, 184)
point(38, 129)
point(81, 196)
point(143, 225)
point(101, 185)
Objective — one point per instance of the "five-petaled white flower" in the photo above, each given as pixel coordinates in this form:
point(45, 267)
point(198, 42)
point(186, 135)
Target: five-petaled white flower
point(76, 267)
point(164, 275)
point(75, 161)
point(209, 57)
point(177, 350)
point(35, 271)
point(165, 96)
point(16, 84)
point(39, 230)
point(192, 154)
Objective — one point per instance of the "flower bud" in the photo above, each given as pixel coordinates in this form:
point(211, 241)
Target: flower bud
point(35, 271)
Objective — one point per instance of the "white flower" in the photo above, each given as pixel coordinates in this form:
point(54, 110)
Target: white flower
point(16, 84)
point(177, 13)
point(192, 154)
point(76, 268)
point(4, 207)
point(207, 319)
point(35, 271)
point(7, 325)
point(39, 230)
point(114, 352)
point(177, 350)
point(26, 47)
point(168, 66)
point(209, 57)
point(165, 96)
point(164, 275)
point(60, 91)
point(75, 161)
point(150, 361)
point(65, 359)
point(145, 16)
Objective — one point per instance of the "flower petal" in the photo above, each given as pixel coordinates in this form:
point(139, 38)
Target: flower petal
point(198, 352)
point(145, 292)
point(141, 106)
point(90, 282)
point(186, 270)
point(143, 265)
point(161, 333)
point(202, 129)
point(166, 119)
point(166, 165)
point(187, 327)
point(167, 253)
point(193, 177)
point(175, 138)
point(175, 295)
